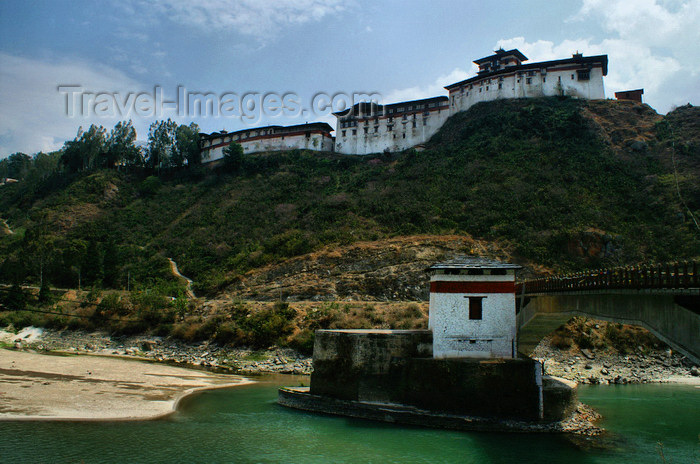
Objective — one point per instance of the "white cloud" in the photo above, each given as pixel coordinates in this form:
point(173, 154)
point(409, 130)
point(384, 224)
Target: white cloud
point(261, 19)
point(652, 44)
point(631, 65)
point(431, 90)
point(33, 112)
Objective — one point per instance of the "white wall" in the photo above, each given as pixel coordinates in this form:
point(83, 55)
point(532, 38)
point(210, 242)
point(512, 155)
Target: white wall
point(455, 335)
point(543, 83)
point(316, 141)
point(377, 138)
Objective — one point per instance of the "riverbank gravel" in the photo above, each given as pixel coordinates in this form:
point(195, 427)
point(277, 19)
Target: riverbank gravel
point(645, 365)
point(204, 354)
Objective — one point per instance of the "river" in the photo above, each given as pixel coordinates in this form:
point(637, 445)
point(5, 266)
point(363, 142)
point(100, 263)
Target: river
point(245, 425)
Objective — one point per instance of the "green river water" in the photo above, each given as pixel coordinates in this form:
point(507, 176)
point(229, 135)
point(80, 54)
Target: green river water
point(245, 425)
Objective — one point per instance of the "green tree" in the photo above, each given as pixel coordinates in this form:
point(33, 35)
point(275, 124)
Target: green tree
point(233, 157)
point(18, 165)
point(92, 270)
point(110, 265)
point(86, 151)
point(15, 298)
point(44, 164)
point(45, 291)
point(4, 168)
point(37, 248)
point(187, 145)
point(161, 143)
point(121, 147)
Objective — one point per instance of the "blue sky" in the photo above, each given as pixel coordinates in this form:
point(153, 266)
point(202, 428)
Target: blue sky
point(395, 49)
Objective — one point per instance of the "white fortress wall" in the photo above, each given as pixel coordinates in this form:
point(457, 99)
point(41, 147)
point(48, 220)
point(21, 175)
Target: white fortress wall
point(268, 139)
point(390, 128)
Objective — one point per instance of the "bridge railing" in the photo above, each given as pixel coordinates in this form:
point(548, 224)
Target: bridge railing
point(670, 275)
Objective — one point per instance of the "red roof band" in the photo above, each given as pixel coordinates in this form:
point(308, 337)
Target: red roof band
point(472, 287)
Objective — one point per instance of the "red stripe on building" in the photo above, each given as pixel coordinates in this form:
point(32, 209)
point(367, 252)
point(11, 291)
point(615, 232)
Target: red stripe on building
point(472, 287)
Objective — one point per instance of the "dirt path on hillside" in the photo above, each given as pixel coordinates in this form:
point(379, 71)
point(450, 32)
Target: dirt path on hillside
point(6, 229)
point(176, 273)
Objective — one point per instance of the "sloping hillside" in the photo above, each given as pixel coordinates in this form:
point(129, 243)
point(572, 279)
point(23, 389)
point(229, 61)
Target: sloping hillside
point(563, 184)
point(387, 270)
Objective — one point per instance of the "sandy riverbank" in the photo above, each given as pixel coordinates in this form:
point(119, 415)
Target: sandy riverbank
point(48, 387)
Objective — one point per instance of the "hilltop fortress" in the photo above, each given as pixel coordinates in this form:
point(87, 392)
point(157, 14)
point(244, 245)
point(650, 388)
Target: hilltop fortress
point(369, 127)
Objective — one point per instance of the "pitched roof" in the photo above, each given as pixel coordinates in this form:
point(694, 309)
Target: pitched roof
point(501, 52)
point(473, 262)
point(577, 59)
point(273, 130)
point(365, 108)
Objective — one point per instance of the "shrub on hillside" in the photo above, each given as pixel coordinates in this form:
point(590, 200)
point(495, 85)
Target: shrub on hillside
point(150, 186)
point(270, 326)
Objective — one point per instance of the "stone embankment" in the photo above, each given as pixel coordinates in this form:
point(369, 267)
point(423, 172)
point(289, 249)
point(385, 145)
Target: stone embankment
point(205, 354)
point(598, 367)
point(583, 366)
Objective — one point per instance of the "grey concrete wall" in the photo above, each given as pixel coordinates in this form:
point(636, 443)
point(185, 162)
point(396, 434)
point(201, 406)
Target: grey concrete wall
point(674, 324)
point(506, 388)
point(365, 364)
point(397, 367)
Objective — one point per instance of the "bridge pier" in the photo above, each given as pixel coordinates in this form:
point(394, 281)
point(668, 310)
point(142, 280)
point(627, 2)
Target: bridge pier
point(655, 310)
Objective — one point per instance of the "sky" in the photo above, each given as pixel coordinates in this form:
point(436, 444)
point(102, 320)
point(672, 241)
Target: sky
point(234, 64)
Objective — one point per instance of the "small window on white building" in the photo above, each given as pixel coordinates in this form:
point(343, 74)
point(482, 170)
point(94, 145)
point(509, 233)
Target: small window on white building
point(584, 75)
point(500, 86)
point(354, 132)
point(376, 129)
point(476, 308)
point(528, 80)
point(344, 133)
point(414, 124)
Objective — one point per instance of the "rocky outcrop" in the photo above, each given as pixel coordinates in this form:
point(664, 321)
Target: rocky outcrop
point(590, 366)
point(383, 270)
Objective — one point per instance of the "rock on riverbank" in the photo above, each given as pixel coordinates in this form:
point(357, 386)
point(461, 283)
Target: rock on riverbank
point(590, 366)
point(583, 366)
point(205, 354)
